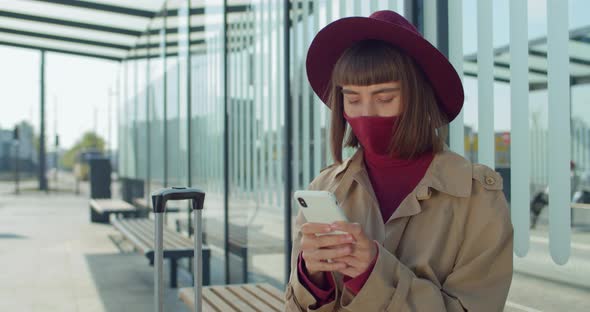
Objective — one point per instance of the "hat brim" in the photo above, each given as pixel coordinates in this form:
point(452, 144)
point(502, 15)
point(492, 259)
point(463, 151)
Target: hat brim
point(329, 44)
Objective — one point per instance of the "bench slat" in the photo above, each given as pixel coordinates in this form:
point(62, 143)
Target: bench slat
point(187, 296)
point(254, 301)
point(232, 299)
point(142, 230)
point(245, 297)
point(110, 205)
point(264, 296)
point(216, 301)
point(178, 240)
point(129, 234)
point(272, 291)
point(581, 206)
point(139, 230)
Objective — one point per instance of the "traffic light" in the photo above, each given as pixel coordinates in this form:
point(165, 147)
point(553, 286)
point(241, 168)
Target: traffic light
point(15, 133)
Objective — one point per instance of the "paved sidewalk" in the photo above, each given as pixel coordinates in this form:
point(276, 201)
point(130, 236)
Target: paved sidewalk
point(54, 259)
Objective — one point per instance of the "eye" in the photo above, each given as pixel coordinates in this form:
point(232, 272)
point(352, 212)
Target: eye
point(353, 101)
point(384, 100)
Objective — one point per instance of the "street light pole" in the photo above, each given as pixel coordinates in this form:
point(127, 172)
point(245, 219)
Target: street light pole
point(56, 150)
point(42, 164)
point(16, 158)
point(109, 123)
point(56, 158)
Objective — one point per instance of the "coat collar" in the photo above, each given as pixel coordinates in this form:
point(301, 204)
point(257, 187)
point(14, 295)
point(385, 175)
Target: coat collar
point(448, 173)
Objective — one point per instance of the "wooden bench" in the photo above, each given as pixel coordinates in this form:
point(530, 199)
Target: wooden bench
point(140, 232)
point(144, 207)
point(581, 206)
point(240, 298)
point(243, 240)
point(101, 209)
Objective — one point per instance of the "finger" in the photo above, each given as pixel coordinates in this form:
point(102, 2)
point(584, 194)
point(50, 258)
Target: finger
point(334, 240)
point(351, 261)
point(311, 241)
point(354, 229)
point(315, 228)
point(322, 254)
point(324, 266)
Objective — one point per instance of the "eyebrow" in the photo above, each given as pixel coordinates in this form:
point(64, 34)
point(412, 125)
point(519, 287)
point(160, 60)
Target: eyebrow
point(347, 91)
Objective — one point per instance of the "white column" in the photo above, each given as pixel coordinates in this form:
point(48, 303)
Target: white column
point(519, 133)
point(485, 85)
point(457, 127)
point(559, 130)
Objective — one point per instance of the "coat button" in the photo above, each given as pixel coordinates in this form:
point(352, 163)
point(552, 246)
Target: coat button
point(490, 181)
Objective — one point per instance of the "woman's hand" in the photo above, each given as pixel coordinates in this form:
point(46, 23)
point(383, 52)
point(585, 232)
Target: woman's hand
point(317, 250)
point(363, 252)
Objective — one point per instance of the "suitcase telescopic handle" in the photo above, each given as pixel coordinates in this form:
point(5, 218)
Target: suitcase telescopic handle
point(160, 197)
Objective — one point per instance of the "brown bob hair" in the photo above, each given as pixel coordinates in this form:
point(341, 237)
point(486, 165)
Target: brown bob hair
point(421, 125)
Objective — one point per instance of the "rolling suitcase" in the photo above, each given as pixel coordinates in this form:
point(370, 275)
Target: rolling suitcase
point(159, 199)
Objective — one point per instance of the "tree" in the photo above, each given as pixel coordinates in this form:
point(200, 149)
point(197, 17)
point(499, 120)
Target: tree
point(89, 140)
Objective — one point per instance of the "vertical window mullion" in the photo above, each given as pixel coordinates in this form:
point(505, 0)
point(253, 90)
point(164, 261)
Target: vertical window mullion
point(280, 102)
point(272, 105)
point(298, 80)
point(233, 111)
point(249, 103)
point(457, 127)
point(485, 87)
point(317, 134)
point(328, 112)
point(558, 90)
point(241, 102)
point(520, 141)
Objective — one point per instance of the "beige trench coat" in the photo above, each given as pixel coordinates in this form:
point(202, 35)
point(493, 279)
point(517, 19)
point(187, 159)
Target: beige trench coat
point(448, 246)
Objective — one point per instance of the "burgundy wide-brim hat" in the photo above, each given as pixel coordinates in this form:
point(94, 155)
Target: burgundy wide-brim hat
point(331, 42)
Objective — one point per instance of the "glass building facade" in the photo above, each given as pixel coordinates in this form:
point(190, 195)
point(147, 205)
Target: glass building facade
point(214, 95)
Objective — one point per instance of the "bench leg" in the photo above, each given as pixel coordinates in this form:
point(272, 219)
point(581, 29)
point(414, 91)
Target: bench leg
point(245, 265)
point(96, 217)
point(173, 272)
point(206, 267)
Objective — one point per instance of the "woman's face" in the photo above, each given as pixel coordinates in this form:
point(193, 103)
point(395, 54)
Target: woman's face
point(383, 99)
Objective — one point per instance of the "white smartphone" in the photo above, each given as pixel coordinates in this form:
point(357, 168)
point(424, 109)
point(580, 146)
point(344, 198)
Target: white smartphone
point(320, 207)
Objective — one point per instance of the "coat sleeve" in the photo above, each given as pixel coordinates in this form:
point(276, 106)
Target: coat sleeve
point(480, 279)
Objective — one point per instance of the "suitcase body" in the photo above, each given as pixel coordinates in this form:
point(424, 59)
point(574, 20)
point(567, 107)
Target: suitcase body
point(159, 200)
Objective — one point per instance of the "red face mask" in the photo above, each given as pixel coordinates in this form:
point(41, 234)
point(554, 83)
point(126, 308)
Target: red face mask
point(373, 132)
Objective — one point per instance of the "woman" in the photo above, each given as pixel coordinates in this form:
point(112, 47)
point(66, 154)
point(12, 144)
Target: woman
point(427, 230)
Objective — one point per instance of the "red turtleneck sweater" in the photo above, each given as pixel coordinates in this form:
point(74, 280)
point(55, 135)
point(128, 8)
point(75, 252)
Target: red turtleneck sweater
point(392, 180)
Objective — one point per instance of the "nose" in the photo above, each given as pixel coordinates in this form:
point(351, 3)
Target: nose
point(369, 109)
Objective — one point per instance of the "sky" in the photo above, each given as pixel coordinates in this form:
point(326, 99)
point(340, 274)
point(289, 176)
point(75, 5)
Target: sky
point(77, 90)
